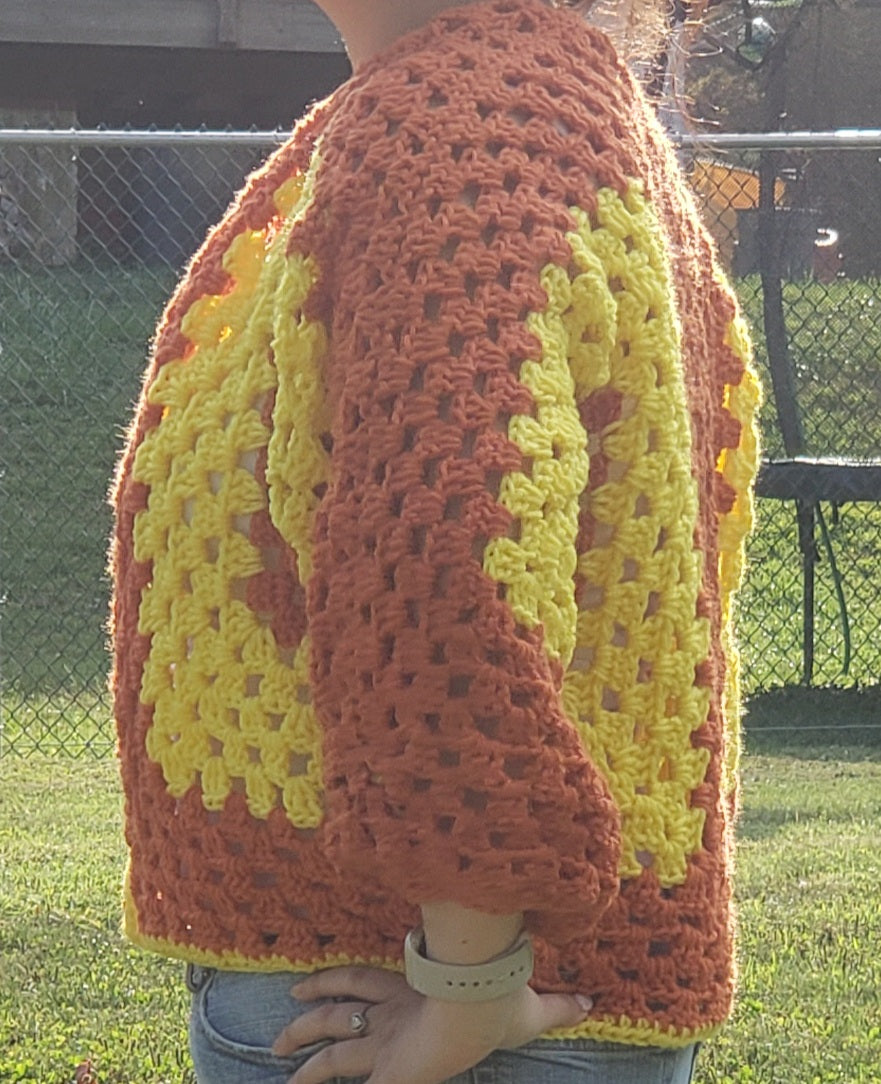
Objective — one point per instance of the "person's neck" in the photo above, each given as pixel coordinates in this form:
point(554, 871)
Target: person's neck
point(365, 36)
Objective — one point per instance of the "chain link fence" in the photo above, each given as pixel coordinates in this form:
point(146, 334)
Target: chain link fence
point(96, 226)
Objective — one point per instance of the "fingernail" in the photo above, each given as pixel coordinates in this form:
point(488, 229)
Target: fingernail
point(584, 1003)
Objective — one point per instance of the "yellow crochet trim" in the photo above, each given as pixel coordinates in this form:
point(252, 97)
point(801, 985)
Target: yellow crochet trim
point(638, 1033)
point(537, 564)
point(738, 466)
point(232, 711)
point(629, 689)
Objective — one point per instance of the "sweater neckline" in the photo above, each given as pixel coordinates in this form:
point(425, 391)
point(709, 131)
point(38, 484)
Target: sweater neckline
point(543, 14)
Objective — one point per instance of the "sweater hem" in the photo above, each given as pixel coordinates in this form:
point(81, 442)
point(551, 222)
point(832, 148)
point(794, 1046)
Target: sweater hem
point(618, 1029)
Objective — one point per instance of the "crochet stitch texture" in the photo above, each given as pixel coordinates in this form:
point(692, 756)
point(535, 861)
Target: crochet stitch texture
point(428, 529)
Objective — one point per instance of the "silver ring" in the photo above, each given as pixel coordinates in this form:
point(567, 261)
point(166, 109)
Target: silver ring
point(358, 1023)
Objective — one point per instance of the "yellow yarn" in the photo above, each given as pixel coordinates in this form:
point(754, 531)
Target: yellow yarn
point(738, 467)
point(633, 649)
point(538, 566)
point(232, 711)
point(298, 463)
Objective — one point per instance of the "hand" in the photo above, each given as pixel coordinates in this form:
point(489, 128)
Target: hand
point(411, 1039)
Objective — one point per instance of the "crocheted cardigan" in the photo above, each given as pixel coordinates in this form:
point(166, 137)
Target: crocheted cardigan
point(428, 528)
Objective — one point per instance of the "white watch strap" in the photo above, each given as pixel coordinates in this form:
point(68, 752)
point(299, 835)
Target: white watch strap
point(467, 982)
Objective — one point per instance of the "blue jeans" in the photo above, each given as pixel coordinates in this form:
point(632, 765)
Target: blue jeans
point(236, 1018)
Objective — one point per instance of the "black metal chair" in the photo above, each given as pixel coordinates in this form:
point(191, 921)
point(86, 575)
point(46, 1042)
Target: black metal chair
point(807, 480)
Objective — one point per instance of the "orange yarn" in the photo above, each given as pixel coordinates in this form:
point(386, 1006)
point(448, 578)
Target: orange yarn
point(427, 530)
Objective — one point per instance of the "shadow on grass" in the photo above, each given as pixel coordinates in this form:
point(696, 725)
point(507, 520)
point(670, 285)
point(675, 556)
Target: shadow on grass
point(760, 823)
point(816, 723)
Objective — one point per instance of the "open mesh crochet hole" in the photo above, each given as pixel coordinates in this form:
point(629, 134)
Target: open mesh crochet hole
point(298, 764)
point(456, 344)
point(490, 232)
point(476, 800)
point(515, 767)
point(469, 439)
point(458, 686)
point(593, 596)
point(629, 570)
point(603, 534)
point(521, 698)
point(478, 547)
point(582, 658)
point(387, 650)
point(611, 701)
point(470, 194)
point(430, 470)
point(505, 277)
point(432, 721)
point(488, 725)
point(642, 507)
point(450, 247)
point(442, 576)
point(438, 656)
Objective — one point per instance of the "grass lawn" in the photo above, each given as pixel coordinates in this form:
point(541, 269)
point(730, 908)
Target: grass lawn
point(809, 869)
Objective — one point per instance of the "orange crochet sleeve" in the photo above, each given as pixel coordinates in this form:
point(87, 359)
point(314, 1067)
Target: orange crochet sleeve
point(451, 770)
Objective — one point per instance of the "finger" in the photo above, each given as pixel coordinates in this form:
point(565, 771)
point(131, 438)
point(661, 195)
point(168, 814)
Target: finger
point(337, 1060)
point(330, 1021)
point(359, 983)
point(561, 1010)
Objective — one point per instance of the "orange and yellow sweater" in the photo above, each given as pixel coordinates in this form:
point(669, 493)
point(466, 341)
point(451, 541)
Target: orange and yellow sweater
point(427, 533)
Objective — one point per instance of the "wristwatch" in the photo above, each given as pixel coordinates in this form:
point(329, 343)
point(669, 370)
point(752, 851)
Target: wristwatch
point(467, 982)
